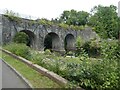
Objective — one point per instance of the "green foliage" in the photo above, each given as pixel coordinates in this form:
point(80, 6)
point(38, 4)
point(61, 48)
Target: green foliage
point(94, 74)
point(83, 71)
point(32, 22)
point(21, 37)
point(47, 52)
point(15, 17)
point(110, 49)
point(105, 20)
point(99, 75)
point(79, 42)
point(103, 48)
point(73, 17)
point(65, 26)
point(92, 47)
point(12, 16)
point(19, 49)
point(44, 21)
point(37, 57)
point(35, 78)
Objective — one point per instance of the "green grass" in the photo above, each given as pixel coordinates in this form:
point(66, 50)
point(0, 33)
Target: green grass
point(0, 53)
point(36, 79)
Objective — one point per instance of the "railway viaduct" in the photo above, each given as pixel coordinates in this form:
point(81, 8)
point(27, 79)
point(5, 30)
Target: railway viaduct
point(43, 36)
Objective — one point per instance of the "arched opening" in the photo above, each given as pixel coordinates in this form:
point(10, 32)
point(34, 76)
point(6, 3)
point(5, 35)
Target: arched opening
point(52, 41)
point(69, 42)
point(31, 39)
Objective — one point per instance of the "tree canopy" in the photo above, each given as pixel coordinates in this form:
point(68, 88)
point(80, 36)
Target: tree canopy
point(103, 18)
point(105, 21)
point(74, 17)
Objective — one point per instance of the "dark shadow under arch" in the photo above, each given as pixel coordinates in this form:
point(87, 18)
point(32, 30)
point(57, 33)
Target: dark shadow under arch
point(52, 41)
point(31, 40)
point(69, 42)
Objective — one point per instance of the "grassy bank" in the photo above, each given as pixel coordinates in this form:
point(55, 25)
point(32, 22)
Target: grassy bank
point(36, 79)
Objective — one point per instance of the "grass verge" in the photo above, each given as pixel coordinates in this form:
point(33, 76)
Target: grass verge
point(36, 79)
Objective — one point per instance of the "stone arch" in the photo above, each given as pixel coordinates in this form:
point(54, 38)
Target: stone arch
point(52, 41)
point(69, 42)
point(32, 38)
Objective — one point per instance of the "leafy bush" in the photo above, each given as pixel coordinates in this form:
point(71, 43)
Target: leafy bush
point(21, 37)
point(37, 58)
point(47, 52)
point(102, 74)
point(94, 75)
point(19, 49)
point(110, 49)
point(92, 47)
point(79, 43)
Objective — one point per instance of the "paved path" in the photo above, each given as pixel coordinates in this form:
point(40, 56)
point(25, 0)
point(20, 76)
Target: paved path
point(10, 79)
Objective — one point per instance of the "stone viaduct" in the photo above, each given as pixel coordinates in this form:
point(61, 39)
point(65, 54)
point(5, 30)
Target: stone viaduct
point(43, 36)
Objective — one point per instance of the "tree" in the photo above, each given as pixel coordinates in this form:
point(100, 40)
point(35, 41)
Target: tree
point(105, 21)
point(73, 17)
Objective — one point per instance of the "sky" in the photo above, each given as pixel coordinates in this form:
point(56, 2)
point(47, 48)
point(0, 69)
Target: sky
point(50, 8)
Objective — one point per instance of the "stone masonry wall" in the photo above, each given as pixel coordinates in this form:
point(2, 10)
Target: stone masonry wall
point(38, 32)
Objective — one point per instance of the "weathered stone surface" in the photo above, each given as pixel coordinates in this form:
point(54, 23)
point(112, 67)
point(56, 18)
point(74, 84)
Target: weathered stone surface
point(38, 33)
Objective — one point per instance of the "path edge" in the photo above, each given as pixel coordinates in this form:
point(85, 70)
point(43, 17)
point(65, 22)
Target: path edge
point(18, 74)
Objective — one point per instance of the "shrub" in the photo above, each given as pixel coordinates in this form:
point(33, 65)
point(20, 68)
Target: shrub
point(37, 58)
point(90, 74)
point(79, 43)
point(21, 37)
point(110, 49)
point(64, 26)
point(94, 75)
point(92, 47)
point(101, 75)
point(47, 52)
point(19, 49)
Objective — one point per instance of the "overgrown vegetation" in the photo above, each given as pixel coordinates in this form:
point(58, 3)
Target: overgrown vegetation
point(105, 20)
point(89, 73)
point(12, 16)
point(19, 49)
point(21, 37)
point(36, 79)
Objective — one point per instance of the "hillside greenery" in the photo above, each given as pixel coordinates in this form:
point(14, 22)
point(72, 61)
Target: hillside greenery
point(90, 73)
